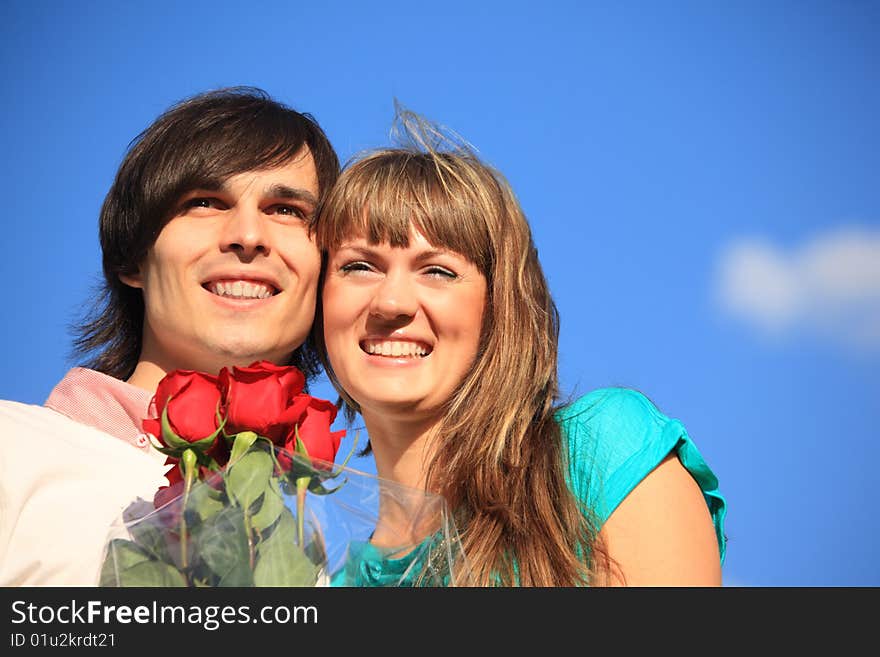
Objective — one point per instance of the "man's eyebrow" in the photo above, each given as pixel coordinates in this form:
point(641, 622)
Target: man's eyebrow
point(293, 193)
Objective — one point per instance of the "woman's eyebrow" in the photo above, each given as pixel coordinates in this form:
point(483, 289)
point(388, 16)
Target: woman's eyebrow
point(361, 250)
point(432, 253)
point(368, 251)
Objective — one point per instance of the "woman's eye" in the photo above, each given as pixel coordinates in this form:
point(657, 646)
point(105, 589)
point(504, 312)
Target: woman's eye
point(355, 267)
point(441, 272)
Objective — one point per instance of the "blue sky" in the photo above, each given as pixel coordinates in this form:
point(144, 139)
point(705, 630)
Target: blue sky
point(703, 182)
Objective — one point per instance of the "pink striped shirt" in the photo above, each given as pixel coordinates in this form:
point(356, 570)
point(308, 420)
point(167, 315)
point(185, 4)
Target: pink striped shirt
point(103, 402)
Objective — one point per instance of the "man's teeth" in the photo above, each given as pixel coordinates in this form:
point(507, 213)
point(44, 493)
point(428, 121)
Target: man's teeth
point(241, 290)
point(395, 348)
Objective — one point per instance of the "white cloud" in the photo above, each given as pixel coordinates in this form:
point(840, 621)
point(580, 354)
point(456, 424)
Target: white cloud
point(829, 285)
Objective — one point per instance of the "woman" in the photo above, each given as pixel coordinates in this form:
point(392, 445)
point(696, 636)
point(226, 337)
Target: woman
point(439, 328)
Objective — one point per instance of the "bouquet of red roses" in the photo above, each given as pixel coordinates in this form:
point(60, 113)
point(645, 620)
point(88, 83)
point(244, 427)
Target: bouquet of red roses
point(252, 470)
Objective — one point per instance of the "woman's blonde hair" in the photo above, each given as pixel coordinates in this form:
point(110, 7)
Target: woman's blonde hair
point(499, 457)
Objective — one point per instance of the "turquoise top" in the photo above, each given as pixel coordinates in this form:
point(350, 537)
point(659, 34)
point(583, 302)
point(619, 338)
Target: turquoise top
point(615, 437)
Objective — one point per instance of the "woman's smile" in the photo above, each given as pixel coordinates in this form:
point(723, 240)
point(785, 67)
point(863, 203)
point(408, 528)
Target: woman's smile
point(402, 325)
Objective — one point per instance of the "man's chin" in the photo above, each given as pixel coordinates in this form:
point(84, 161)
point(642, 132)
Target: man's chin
point(249, 358)
point(240, 354)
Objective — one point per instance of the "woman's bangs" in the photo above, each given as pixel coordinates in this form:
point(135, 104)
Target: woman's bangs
point(382, 201)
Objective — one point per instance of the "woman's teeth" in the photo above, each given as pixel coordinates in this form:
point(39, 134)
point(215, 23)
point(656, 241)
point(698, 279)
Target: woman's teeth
point(395, 348)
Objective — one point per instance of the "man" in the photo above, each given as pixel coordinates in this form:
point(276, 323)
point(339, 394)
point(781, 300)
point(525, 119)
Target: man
point(208, 262)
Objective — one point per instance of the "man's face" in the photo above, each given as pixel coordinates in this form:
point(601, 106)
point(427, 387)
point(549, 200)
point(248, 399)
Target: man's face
point(232, 277)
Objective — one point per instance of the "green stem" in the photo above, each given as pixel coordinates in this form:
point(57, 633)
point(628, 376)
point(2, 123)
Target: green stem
point(302, 485)
point(249, 530)
point(189, 463)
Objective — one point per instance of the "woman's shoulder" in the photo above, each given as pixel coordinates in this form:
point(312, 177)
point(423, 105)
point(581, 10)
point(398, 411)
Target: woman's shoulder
point(612, 404)
point(615, 437)
point(606, 429)
point(618, 419)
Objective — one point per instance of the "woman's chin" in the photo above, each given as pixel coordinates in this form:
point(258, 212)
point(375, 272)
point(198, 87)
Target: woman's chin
point(402, 408)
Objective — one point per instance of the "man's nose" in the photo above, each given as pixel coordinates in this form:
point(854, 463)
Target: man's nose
point(396, 297)
point(245, 233)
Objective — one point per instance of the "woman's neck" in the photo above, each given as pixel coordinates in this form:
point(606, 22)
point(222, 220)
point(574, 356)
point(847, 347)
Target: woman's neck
point(401, 447)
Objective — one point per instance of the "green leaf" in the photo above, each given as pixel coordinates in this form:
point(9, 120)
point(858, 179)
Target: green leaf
point(121, 554)
point(152, 573)
point(204, 501)
point(300, 445)
point(241, 443)
point(221, 421)
point(127, 564)
point(246, 478)
point(316, 550)
point(270, 508)
point(318, 488)
point(239, 576)
point(149, 537)
point(171, 439)
point(301, 467)
point(204, 444)
point(281, 562)
point(222, 545)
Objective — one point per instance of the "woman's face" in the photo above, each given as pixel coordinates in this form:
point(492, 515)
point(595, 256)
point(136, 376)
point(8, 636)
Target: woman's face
point(401, 325)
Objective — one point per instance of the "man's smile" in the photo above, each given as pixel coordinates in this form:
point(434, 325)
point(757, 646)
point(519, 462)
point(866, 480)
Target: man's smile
point(240, 289)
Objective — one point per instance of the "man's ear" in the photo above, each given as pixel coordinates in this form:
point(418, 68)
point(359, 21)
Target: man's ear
point(133, 280)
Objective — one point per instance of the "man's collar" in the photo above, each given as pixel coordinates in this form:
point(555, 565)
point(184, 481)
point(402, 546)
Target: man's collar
point(103, 402)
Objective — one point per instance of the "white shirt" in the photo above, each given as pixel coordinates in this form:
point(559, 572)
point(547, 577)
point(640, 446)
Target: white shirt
point(63, 484)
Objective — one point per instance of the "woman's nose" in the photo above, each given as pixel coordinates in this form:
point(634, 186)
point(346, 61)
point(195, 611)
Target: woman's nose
point(395, 297)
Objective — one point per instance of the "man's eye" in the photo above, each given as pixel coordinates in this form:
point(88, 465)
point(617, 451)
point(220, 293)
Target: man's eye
point(291, 210)
point(203, 202)
point(200, 203)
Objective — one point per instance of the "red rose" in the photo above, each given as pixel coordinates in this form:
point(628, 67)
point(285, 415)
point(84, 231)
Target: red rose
point(263, 398)
point(191, 399)
point(313, 427)
point(174, 488)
